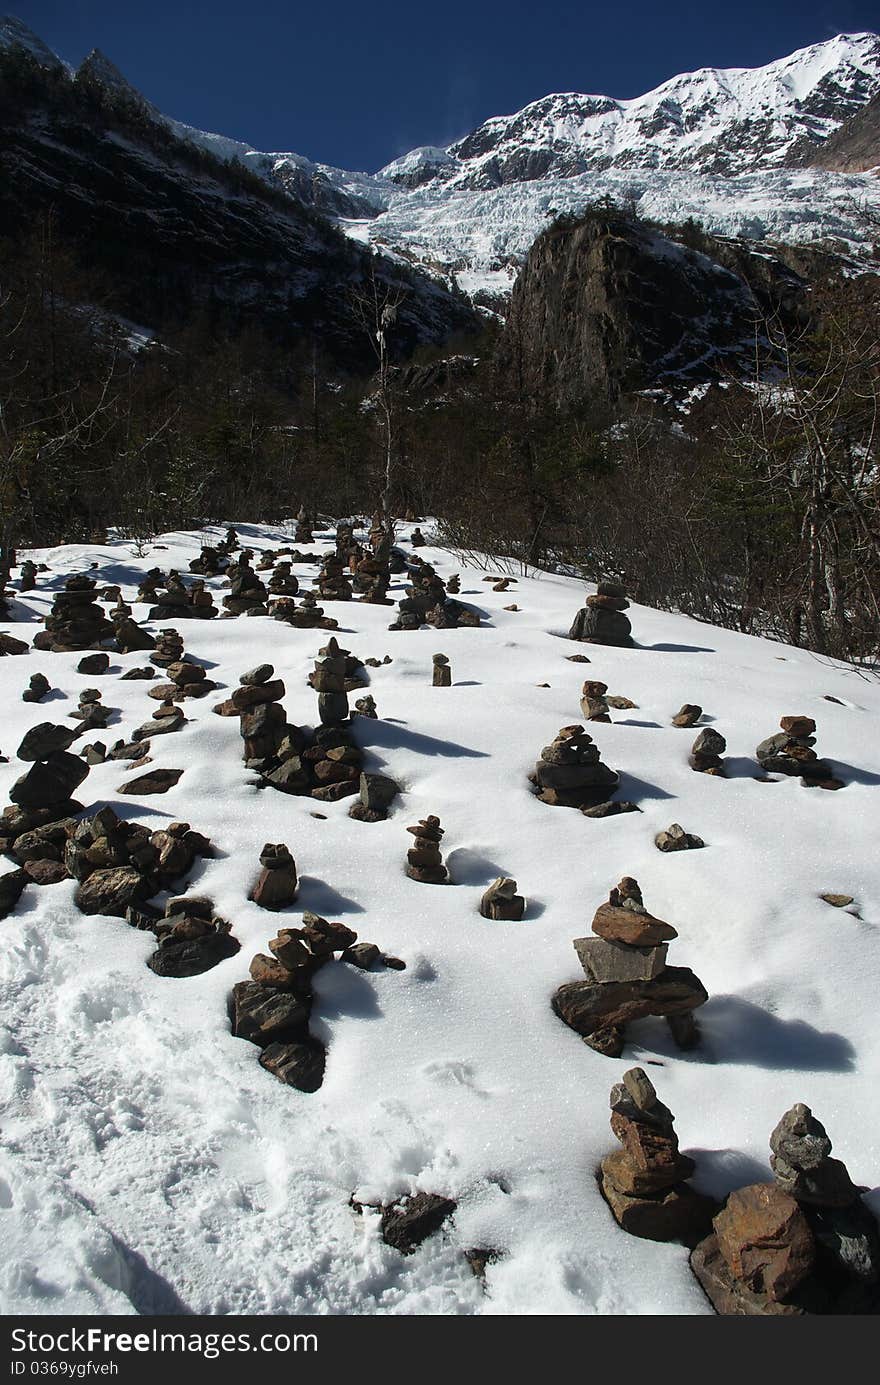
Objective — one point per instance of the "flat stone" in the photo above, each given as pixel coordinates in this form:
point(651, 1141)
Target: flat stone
point(603, 960)
point(586, 1006)
point(362, 955)
point(50, 781)
point(837, 901)
point(622, 925)
point(155, 781)
point(679, 1214)
point(193, 957)
point(618, 1168)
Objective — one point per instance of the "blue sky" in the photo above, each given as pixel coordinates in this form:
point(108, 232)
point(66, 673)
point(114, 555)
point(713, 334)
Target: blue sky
point(358, 84)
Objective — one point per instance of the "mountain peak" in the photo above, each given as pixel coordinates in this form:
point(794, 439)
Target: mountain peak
point(16, 34)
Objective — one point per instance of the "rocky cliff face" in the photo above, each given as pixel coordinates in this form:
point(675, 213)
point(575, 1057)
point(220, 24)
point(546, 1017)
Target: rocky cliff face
point(607, 306)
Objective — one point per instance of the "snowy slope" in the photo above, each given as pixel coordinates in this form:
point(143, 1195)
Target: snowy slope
point(149, 1164)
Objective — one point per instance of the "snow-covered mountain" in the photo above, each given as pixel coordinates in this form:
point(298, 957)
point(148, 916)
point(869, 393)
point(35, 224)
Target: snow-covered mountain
point(726, 146)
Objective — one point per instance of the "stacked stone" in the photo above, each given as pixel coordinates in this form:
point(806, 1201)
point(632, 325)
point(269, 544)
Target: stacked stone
point(601, 621)
point(329, 680)
point(166, 719)
point(791, 752)
point(644, 1182)
point(128, 636)
point(354, 673)
point(307, 616)
point(806, 1243)
point(27, 578)
point(10, 645)
point(192, 938)
point(332, 581)
point(417, 538)
point(627, 977)
point(570, 773)
point(366, 707)
point(593, 703)
point(706, 753)
point(210, 562)
point(91, 710)
point(267, 560)
point(674, 838)
point(41, 811)
point(277, 884)
point(178, 601)
point(502, 902)
point(282, 582)
point(76, 621)
point(148, 587)
point(262, 719)
point(121, 864)
point(38, 688)
point(427, 603)
point(303, 532)
point(229, 543)
point(424, 860)
point(442, 672)
point(187, 680)
point(272, 1010)
point(247, 594)
point(372, 573)
point(168, 648)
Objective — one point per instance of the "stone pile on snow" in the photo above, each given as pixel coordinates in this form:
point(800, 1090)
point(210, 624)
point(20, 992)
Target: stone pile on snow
point(601, 620)
point(570, 772)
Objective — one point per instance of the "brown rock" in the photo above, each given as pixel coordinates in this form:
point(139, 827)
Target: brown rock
point(635, 1182)
point(679, 1214)
point(628, 926)
point(731, 1297)
point(764, 1237)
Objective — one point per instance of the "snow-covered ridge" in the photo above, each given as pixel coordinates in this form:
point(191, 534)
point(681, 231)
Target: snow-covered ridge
point(711, 144)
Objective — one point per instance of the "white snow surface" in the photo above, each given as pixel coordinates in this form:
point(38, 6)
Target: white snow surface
point(148, 1164)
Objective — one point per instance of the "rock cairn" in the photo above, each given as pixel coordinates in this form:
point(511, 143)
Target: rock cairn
point(168, 648)
point(38, 688)
point(601, 620)
point(188, 679)
point(417, 538)
point(34, 827)
point(426, 602)
point(627, 977)
point(282, 582)
point(329, 681)
point(307, 616)
point(644, 1181)
point(332, 581)
point(91, 710)
point(424, 861)
point(442, 672)
point(303, 532)
point(167, 719)
point(570, 773)
point(27, 576)
point(76, 621)
point(805, 1243)
point(247, 594)
point(706, 753)
point(791, 752)
point(179, 602)
point(210, 562)
point(372, 574)
point(277, 884)
point(674, 838)
point(366, 707)
point(593, 702)
point(192, 938)
point(128, 636)
point(502, 902)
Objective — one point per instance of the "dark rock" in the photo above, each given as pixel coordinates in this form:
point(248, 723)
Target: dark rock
point(676, 839)
point(50, 781)
point(46, 739)
point(299, 1065)
point(94, 663)
point(11, 886)
point(265, 1014)
point(586, 1007)
point(362, 955)
point(112, 891)
point(407, 1223)
point(153, 782)
point(191, 957)
point(765, 1239)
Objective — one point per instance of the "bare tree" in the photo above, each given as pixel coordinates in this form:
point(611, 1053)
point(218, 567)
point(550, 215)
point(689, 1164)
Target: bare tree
point(376, 307)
